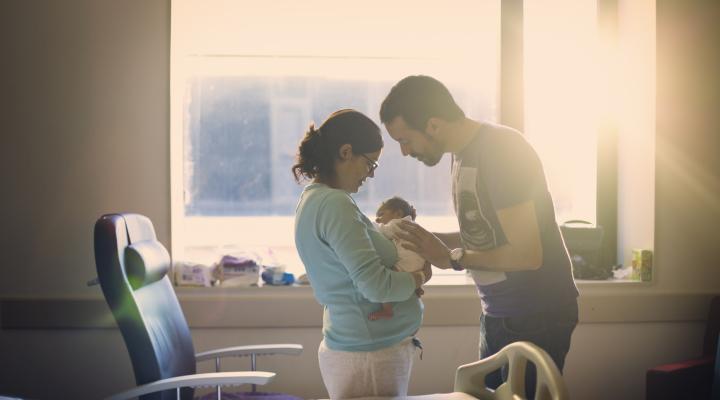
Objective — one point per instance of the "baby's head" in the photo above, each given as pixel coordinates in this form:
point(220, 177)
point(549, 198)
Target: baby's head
point(394, 208)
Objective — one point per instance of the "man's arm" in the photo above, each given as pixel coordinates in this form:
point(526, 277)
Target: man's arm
point(522, 252)
point(450, 239)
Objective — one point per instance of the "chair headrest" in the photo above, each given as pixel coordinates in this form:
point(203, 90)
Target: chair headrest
point(146, 262)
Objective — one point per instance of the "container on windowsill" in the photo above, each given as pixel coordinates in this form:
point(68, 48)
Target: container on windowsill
point(584, 243)
point(239, 270)
point(642, 265)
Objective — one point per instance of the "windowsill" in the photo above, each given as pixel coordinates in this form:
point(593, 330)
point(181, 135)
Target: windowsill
point(287, 256)
point(464, 279)
point(622, 282)
point(455, 287)
point(438, 281)
point(449, 278)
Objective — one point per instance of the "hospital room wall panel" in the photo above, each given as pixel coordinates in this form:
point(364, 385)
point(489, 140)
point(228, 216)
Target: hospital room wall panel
point(607, 360)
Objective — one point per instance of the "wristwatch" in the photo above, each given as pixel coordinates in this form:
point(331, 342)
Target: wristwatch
point(455, 256)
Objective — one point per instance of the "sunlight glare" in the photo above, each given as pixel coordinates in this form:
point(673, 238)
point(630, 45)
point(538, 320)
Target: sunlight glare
point(561, 99)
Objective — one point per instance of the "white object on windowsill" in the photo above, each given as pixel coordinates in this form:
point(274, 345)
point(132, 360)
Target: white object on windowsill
point(192, 274)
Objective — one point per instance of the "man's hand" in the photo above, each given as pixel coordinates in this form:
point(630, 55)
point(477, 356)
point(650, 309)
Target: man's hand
point(424, 243)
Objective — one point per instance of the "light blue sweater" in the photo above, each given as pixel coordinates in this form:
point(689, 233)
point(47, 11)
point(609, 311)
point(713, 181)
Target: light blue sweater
point(348, 264)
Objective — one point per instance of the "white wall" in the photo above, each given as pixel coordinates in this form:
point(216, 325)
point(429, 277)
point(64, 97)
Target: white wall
point(84, 130)
point(687, 188)
point(606, 361)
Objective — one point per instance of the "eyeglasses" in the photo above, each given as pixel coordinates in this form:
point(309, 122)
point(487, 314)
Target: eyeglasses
point(372, 164)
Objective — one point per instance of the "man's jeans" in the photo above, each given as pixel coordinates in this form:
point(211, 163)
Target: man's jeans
point(551, 331)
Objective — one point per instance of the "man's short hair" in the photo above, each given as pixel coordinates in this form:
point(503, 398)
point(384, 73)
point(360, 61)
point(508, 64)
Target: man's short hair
point(418, 98)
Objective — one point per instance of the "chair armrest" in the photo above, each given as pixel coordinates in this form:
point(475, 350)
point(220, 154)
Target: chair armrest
point(240, 351)
point(198, 380)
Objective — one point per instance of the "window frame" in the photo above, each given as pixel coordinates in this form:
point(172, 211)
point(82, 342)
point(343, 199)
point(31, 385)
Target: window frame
point(511, 113)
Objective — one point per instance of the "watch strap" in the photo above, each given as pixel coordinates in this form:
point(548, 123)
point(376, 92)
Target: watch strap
point(456, 265)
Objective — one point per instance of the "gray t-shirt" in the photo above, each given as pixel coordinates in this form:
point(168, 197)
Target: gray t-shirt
point(497, 170)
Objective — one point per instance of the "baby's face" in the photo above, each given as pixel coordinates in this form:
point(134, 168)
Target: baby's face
point(385, 215)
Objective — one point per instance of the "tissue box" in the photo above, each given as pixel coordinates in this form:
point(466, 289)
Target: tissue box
point(238, 271)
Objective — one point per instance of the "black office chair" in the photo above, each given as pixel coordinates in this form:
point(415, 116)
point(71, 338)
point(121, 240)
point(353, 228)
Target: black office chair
point(132, 270)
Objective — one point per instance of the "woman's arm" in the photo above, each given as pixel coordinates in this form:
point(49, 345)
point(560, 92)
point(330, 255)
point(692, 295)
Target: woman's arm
point(342, 227)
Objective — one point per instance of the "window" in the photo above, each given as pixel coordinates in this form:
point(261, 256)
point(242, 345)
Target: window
point(590, 91)
point(562, 82)
point(242, 134)
point(247, 78)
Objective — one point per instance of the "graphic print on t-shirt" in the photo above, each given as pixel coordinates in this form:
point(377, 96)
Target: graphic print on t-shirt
point(476, 231)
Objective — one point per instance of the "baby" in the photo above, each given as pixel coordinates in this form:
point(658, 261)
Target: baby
point(388, 216)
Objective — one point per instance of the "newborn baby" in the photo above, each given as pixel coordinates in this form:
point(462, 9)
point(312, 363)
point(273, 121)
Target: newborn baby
point(388, 215)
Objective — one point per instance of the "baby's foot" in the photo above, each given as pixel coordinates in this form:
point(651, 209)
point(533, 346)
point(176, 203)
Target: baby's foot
point(382, 314)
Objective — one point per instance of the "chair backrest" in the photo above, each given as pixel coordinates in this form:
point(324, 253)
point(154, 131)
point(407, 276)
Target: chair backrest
point(716, 373)
point(470, 378)
point(712, 343)
point(132, 270)
point(712, 328)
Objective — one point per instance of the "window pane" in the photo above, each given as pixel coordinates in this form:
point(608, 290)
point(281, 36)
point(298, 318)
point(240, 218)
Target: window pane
point(562, 101)
point(242, 135)
point(228, 165)
point(249, 77)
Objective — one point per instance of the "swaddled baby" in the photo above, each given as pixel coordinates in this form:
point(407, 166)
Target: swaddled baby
point(388, 216)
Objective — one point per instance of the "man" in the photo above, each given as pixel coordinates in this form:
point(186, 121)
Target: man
point(508, 239)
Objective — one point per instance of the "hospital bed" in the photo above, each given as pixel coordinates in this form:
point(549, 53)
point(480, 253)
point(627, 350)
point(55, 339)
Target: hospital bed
point(470, 378)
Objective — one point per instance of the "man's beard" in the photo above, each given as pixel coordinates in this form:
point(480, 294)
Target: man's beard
point(435, 155)
point(432, 162)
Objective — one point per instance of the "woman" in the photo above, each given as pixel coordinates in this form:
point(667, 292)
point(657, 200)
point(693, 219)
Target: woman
point(349, 262)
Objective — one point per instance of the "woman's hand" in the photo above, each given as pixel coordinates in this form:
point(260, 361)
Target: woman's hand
point(424, 243)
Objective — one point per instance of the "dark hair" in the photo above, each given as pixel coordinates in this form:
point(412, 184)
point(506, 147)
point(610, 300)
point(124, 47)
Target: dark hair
point(320, 147)
point(418, 98)
point(399, 204)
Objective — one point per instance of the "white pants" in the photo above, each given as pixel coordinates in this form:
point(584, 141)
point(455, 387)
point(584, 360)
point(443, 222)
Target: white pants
point(384, 372)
